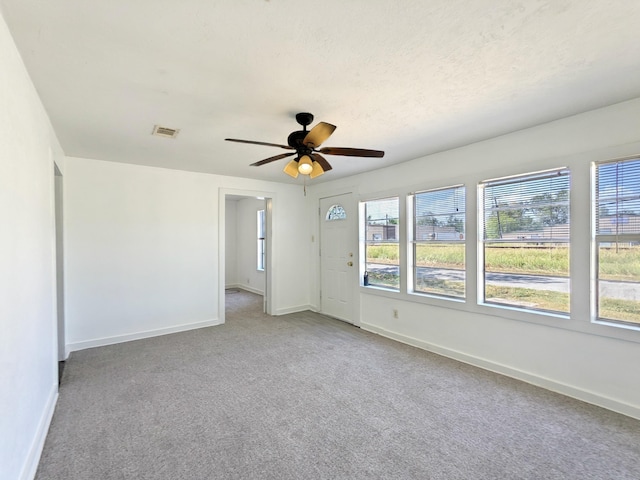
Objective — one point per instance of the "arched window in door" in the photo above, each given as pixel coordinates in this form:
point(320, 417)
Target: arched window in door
point(335, 212)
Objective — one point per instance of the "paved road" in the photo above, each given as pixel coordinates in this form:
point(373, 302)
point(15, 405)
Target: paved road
point(535, 282)
point(620, 290)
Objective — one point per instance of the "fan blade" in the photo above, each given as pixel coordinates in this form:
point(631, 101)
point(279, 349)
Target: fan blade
point(352, 152)
point(318, 134)
point(272, 159)
point(323, 163)
point(287, 147)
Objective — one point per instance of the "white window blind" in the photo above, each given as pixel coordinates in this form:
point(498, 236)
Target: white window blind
point(443, 208)
point(617, 238)
point(439, 241)
point(530, 207)
point(618, 197)
point(525, 261)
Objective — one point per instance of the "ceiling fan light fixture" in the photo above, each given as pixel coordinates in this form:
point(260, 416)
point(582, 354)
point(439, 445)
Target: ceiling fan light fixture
point(317, 170)
point(305, 145)
point(291, 169)
point(305, 166)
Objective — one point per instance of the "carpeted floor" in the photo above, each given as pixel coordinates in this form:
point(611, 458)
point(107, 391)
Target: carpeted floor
point(303, 396)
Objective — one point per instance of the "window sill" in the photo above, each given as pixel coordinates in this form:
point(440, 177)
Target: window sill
point(614, 324)
point(597, 328)
point(379, 289)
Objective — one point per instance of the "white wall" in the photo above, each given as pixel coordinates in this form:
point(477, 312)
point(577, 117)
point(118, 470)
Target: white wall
point(248, 276)
point(142, 250)
point(231, 250)
point(28, 346)
point(570, 355)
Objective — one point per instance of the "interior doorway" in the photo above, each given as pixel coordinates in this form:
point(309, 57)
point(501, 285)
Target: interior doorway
point(246, 246)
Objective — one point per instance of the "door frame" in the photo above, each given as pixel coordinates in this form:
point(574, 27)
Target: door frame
point(269, 287)
point(58, 202)
point(354, 244)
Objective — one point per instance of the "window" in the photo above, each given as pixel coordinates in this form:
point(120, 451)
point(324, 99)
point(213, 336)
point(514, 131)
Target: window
point(382, 247)
point(525, 254)
point(439, 241)
point(261, 240)
point(335, 212)
point(617, 240)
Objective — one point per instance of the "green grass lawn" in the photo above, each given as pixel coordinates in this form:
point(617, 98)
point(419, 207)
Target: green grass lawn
point(528, 298)
point(623, 265)
point(620, 265)
point(546, 300)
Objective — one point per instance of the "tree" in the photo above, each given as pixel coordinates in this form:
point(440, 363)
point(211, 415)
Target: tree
point(455, 222)
point(551, 209)
point(505, 219)
point(428, 218)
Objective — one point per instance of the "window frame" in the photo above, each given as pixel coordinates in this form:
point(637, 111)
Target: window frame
point(414, 242)
point(483, 241)
point(261, 239)
point(598, 238)
point(398, 232)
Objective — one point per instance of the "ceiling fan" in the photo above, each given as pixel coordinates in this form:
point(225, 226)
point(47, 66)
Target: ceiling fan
point(305, 144)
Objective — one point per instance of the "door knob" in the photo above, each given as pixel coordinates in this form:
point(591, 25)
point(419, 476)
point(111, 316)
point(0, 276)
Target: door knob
point(350, 264)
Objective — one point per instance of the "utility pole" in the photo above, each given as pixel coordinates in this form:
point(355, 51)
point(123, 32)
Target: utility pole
point(495, 201)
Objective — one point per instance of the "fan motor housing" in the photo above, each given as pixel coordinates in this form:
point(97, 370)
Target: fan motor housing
point(295, 139)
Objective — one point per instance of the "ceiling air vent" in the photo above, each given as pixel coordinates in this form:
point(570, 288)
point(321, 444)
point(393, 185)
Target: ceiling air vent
point(165, 131)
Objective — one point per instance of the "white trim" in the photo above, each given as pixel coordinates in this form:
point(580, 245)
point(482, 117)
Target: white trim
point(35, 451)
point(248, 288)
point(295, 309)
point(100, 342)
point(244, 287)
point(546, 383)
point(280, 311)
point(270, 286)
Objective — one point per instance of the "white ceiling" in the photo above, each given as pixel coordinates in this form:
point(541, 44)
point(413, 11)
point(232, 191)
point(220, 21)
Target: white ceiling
point(408, 77)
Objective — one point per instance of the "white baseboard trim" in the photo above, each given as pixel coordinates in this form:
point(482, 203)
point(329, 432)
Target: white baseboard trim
point(101, 342)
point(35, 451)
point(546, 383)
point(246, 287)
point(279, 311)
point(294, 309)
point(251, 289)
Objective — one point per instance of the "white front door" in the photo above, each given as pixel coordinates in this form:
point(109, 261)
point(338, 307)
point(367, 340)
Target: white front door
point(338, 256)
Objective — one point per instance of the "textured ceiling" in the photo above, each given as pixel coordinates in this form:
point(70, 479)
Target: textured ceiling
point(408, 77)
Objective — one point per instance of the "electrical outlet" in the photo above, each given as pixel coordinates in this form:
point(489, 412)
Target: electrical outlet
point(395, 313)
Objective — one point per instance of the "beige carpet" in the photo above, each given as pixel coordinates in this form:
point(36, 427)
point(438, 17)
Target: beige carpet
point(306, 397)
